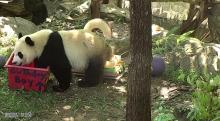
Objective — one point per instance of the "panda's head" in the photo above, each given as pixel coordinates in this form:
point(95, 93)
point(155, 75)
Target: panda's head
point(24, 51)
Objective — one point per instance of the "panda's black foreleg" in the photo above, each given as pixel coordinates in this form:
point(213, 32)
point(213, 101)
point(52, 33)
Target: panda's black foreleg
point(64, 76)
point(94, 72)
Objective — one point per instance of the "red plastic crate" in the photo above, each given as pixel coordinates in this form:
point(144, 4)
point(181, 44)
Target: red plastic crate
point(26, 77)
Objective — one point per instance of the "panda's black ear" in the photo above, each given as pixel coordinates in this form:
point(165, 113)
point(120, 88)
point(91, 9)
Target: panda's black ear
point(19, 35)
point(29, 41)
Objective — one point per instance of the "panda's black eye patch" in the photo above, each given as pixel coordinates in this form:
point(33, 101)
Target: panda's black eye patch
point(20, 55)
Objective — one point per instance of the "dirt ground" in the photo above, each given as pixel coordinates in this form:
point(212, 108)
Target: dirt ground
point(105, 102)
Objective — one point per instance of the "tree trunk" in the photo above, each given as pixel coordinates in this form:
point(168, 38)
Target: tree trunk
point(95, 9)
point(195, 17)
point(119, 3)
point(214, 23)
point(105, 1)
point(139, 79)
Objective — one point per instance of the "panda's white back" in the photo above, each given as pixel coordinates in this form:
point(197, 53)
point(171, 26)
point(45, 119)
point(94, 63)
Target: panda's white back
point(79, 47)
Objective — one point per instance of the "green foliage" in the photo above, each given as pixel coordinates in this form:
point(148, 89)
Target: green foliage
point(206, 98)
point(8, 41)
point(169, 42)
point(178, 75)
point(164, 113)
point(182, 76)
point(120, 19)
point(5, 52)
point(182, 38)
point(6, 46)
point(79, 24)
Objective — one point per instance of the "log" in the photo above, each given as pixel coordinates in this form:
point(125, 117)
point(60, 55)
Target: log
point(15, 8)
point(189, 1)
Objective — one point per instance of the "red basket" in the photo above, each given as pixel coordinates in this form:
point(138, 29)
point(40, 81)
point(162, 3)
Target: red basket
point(26, 77)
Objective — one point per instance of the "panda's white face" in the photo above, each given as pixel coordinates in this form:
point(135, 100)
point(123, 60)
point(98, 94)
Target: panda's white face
point(24, 52)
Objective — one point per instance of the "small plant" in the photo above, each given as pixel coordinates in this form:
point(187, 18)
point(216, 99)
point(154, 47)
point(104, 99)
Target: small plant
point(206, 103)
point(169, 42)
point(163, 113)
point(182, 76)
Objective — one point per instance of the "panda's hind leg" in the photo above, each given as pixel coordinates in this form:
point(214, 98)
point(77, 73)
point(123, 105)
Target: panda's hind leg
point(93, 73)
point(64, 76)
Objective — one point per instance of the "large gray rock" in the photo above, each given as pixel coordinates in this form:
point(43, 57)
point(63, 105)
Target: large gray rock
point(171, 10)
point(194, 54)
point(11, 26)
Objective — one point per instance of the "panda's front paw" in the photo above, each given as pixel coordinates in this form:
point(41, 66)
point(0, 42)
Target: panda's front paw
point(57, 88)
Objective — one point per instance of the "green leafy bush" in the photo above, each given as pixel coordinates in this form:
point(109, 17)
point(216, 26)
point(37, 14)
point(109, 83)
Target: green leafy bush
point(169, 42)
point(163, 113)
point(206, 99)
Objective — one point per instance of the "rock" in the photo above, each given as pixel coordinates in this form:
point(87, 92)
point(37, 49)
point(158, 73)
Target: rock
point(192, 46)
point(112, 11)
point(11, 26)
point(170, 10)
point(196, 55)
point(14, 25)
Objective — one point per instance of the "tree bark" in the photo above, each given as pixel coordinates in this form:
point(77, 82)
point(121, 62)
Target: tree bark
point(195, 17)
point(214, 23)
point(192, 21)
point(105, 1)
point(139, 80)
point(95, 9)
point(119, 3)
point(189, 1)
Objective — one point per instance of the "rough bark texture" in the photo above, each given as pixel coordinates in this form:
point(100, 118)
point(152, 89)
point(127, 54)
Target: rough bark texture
point(95, 9)
point(105, 1)
point(119, 3)
point(214, 23)
point(189, 1)
point(195, 17)
point(139, 84)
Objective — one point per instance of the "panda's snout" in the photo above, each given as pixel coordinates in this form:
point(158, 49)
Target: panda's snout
point(14, 63)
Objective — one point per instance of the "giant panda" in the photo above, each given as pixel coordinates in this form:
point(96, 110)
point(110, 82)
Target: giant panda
point(80, 49)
